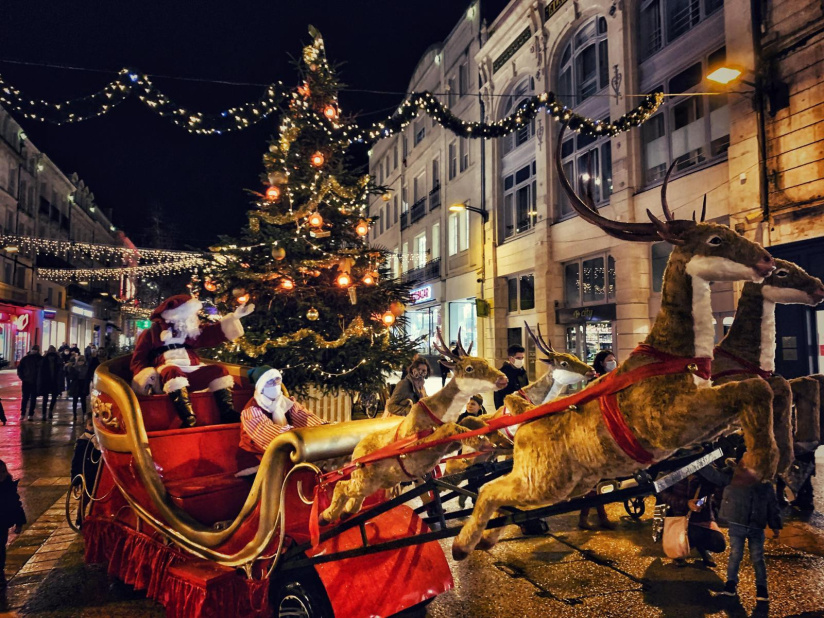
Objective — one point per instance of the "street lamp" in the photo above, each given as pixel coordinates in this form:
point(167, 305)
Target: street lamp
point(460, 207)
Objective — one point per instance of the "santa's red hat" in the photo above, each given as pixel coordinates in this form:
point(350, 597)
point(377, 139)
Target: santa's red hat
point(175, 307)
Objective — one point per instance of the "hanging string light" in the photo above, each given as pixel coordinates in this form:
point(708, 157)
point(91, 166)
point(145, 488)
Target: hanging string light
point(95, 251)
point(103, 274)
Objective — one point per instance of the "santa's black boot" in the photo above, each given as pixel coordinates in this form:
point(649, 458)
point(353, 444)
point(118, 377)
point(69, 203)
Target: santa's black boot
point(183, 406)
point(223, 397)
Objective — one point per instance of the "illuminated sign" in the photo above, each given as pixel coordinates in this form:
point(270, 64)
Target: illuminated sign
point(49, 314)
point(87, 313)
point(22, 321)
point(143, 323)
point(421, 295)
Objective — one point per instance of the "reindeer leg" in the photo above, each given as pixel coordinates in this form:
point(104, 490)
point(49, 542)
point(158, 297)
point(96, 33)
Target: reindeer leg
point(782, 421)
point(753, 399)
point(353, 505)
point(516, 404)
point(339, 500)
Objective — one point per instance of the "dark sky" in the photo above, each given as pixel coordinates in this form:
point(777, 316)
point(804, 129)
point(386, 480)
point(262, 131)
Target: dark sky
point(132, 159)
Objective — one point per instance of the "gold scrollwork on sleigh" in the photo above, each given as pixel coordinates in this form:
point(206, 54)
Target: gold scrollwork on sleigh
point(102, 410)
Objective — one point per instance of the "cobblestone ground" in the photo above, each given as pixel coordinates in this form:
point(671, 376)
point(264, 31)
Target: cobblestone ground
point(567, 572)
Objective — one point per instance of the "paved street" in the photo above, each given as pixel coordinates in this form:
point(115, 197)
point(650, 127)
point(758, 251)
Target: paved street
point(568, 572)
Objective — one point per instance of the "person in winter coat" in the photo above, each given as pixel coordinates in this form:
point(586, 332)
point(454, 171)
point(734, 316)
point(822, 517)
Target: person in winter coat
point(11, 514)
point(28, 369)
point(85, 462)
point(50, 380)
point(79, 377)
point(269, 412)
point(410, 390)
point(748, 506)
point(694, 494)
point(514, 370)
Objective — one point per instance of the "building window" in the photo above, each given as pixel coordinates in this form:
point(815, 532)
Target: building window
point(463, 79)
point(380, 173)
point(453, 160)
point(386, 167)
point(586, 158)
point(521, 293)
point(404, 199)
point(388, 216)
point(463, 224)
point(420, 131)
point(663, 21)
point(436, 241)
point(520, 209)
point(452, 238)
point(463, 144)
point(451, 92)
point(418, 187)
point(395, 156)
point(689, 129)
point(660, 252)
point(395, 202)
point(420, 250)
point(380, 222)
point(405, 257)
point(526, 132)
point(436, 173)
point(584, 67)
point(589, 281)
point(7, 270)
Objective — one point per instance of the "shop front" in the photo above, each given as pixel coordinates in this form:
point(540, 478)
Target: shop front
point(18, 331)
point(54, 328)
point(81, 324)
point(588, 330)
point(462, 311)
point(423, 317)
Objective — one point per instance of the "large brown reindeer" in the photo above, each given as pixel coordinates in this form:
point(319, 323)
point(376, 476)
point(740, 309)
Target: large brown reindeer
point(749, 347)
point(436, 413)
point(564, 455)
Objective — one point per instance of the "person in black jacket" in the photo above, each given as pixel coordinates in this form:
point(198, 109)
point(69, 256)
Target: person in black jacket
point(80, 377)
point(50, 380)
point(514, 370)
point(748, 506)
point(11, 514)
point(28, 369)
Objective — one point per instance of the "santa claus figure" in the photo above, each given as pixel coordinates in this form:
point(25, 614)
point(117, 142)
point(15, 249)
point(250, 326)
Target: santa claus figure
point(165, 357)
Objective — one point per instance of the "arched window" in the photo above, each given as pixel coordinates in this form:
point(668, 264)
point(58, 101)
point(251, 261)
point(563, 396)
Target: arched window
point(584, 67)
point(518, 210)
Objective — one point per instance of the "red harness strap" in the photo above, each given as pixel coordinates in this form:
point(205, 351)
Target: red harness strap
point(747, 368)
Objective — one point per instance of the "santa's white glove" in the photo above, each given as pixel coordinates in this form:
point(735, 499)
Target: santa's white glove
point(244, 310)
point(165, 335)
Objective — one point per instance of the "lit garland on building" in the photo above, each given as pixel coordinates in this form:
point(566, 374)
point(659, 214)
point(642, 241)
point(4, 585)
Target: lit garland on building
point(96, 251)
point(129, 82)
point(103, 274)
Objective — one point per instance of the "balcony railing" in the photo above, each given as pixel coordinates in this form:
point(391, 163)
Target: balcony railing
point(435, 198)
point(404, 220)
point(430, 270)
point(418, 210)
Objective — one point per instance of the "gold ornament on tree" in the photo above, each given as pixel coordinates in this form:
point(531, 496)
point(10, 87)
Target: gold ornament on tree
point(312, 314)
point(278, 253)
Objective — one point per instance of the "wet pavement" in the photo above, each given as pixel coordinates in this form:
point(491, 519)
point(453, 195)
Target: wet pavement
point(567, 572)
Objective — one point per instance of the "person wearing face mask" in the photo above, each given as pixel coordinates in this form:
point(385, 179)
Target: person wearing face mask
point(410, 390)
point(514, 370)
point(604, 362)
point(269, 412)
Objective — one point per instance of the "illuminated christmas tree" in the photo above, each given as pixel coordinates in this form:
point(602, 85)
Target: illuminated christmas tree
point(327, 312)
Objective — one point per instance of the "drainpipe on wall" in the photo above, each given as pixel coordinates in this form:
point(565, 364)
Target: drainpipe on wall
point(758, 104)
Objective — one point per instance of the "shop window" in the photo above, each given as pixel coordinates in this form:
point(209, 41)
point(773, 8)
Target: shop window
point(462, 315)
point(660, 253)
point(589, 281)
point(521, 293)
point(663, 21)
point(690, 129)
point(584, 66)
point(586, 158)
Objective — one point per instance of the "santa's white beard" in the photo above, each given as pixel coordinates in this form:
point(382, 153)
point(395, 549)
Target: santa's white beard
point(188, 328)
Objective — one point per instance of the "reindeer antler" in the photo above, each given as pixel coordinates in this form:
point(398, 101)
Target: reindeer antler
point(542, 345)
point(443, 349)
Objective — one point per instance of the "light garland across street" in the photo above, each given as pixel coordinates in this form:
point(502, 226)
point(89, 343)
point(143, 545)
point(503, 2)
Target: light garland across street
point(50, 246)
point(103, 274)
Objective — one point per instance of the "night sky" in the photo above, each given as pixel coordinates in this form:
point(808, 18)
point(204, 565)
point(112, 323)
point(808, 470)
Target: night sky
point(135, 161)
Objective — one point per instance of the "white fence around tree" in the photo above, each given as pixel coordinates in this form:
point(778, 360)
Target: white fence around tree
point(331, 408)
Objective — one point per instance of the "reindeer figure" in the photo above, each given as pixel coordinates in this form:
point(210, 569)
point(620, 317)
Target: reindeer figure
point(749, 346)
point(438, 412)
point(564, 455)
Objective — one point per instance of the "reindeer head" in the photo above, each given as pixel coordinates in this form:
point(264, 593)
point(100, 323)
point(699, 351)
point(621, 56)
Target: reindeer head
point(565, 368)
point(708, 251)
point(470, 374)
point(790, 284)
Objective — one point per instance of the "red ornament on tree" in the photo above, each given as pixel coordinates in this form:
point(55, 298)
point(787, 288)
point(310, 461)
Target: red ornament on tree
point(315, 220)
point(273, 194)
point(317, 159)
point(330, 111)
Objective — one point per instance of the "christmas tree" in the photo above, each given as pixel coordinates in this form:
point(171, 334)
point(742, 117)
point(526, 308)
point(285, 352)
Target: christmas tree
point(327, 312)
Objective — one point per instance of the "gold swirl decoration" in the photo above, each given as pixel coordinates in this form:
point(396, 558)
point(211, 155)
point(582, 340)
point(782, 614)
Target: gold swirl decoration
point(356, 328)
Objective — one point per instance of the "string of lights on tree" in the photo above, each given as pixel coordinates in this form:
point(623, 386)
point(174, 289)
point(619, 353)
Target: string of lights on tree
point(132, 82)
point(109, 274)
point(68, 248)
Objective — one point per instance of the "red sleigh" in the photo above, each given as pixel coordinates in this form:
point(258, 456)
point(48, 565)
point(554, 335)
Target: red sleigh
point(169, 516)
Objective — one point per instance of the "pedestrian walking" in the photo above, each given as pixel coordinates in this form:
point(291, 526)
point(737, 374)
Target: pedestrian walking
point(28, 370)
point(79, 389)
point(11, 515)
point(748, 506)
point(50, 380)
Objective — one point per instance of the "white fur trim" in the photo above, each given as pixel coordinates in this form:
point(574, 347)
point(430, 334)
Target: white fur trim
point(787, 296)
point(231, 327)
point(188, 308)
point(247, 472)
point(218, 384)
point(175, 384)
point(713, 268)
point(147, 380)
point(767, 358)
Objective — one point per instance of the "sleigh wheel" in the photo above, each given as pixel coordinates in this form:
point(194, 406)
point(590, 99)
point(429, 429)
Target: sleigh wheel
point(635, 507)
point(301, 597)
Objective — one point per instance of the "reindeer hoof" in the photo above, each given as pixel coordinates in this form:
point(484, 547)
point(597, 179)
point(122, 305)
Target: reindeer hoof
point(485, 544)
point(459, 553)
point(323, 521)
